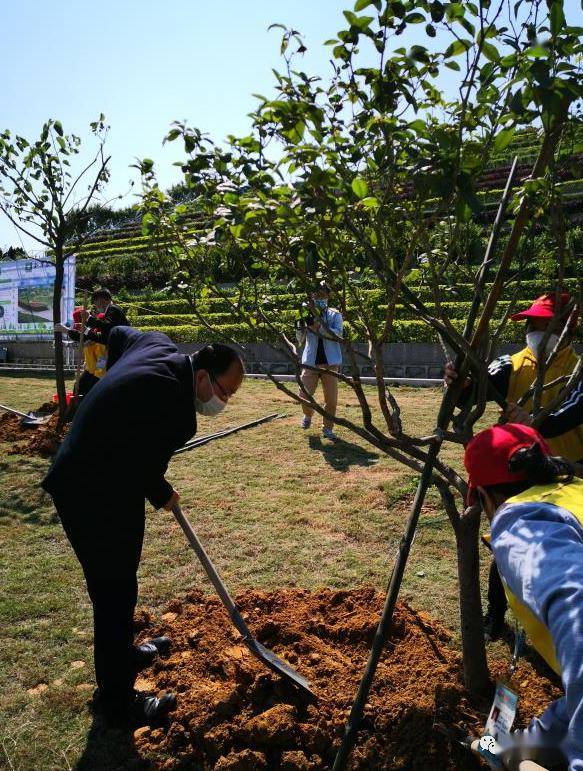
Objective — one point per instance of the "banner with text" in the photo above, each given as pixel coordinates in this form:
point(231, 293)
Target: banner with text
point(26, 298)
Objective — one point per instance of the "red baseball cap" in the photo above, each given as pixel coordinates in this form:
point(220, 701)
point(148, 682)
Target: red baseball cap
point(488, 454)
point(542, 308)
point(78, 315)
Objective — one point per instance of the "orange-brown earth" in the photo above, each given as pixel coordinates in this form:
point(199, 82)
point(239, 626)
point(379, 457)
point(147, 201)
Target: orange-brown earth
point(43, 440)
point(235, 714)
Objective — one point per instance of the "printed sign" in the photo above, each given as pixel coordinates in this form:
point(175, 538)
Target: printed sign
point(26, 298)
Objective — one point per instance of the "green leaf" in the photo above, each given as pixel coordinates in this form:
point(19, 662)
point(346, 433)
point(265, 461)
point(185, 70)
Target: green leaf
point(418, 125)
point(454, 11)
point(356, 21)
point(437, 10)
point(453, 66)
point(359, 187)
point(360, 5)
point(430, 30)
point(491, 52)
point(458, 47)
point(503, 139)
point(557, 15)
point(415, 18)
point(537, 52)
point(171, 135)
point(58, 127)
point(468, 26)
point(370, 202)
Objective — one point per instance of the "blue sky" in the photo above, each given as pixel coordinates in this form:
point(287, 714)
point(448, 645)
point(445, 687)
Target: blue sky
point(145, 63)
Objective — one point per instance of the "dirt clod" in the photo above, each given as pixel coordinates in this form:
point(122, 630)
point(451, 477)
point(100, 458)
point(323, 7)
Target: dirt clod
point(43, 440)
point(247, 760)
point(233, 713)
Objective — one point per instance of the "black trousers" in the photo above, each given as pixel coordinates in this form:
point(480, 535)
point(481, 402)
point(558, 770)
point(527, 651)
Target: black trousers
point(86, 382)
point(497, 602)
point(108, 543)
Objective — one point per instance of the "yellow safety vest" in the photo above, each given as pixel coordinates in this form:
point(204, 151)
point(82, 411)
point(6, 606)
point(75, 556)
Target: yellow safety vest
point(523, 375)
point(95, 355)
point(567, 496)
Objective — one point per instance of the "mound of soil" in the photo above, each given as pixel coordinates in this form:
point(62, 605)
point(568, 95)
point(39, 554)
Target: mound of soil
point(235, 714)
point(41, 440)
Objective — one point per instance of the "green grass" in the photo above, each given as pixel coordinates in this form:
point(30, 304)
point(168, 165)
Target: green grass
point(274, 506)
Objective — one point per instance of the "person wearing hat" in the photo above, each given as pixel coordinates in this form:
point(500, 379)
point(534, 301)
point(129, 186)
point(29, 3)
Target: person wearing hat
point(535, 506)
point(124, 434)
point(322, 350)
point(96, 328)
point(512, 376)
point(108, 314)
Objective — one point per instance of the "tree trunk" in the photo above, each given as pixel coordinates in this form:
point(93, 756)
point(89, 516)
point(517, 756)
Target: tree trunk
point(476, 676)
point(59, 356)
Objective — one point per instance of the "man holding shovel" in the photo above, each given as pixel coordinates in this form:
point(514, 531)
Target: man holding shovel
point(124, 433)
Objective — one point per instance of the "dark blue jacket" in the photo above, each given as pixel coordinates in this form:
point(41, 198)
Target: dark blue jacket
point(129, 424)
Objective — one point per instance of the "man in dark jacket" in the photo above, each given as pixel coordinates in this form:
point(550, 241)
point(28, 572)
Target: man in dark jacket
point(113, 316)
point(124, 434)
point(96, 329)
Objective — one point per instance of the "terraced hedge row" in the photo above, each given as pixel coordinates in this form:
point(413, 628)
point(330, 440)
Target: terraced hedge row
point(375, 297)
point(451, 310)
point(402, 332)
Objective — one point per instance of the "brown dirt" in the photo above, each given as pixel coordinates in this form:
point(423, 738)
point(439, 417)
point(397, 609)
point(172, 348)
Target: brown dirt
point(235, 714)
point(41, 440)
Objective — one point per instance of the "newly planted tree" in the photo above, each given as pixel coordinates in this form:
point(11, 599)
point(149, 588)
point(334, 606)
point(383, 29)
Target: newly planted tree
point(370, 181)
point(46, 199)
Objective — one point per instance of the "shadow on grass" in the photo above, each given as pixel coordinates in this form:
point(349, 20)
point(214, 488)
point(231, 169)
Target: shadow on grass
point(109, 750)
point(341, 455)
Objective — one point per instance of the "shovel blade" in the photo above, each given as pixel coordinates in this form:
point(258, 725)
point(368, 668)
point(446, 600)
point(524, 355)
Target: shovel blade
point(33, 420)
point(281, 667)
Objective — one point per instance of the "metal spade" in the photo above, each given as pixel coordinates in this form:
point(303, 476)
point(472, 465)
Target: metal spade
point(269, 658)
point(28, 419)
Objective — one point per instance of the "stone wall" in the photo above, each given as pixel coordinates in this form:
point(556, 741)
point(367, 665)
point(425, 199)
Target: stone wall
point(408, 360)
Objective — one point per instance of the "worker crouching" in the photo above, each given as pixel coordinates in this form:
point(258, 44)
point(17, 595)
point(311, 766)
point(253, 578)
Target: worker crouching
point(535, 506)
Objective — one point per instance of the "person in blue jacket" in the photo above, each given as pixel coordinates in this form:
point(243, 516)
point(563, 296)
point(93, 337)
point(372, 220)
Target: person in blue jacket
point(322, 349)
point(124, 434)
point(535, 505)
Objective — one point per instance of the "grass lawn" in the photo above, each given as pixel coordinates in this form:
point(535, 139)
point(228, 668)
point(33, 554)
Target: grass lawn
point(274, 506)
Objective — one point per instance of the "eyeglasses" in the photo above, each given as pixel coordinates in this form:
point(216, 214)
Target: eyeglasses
point(222, 393)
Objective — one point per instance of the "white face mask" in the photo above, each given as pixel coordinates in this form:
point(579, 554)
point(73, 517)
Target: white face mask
point(534, 339)
point(212, 407)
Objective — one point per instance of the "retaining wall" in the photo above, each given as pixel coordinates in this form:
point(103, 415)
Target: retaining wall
point(410, 360)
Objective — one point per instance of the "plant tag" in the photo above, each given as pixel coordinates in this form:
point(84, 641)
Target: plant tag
point(502, 713)
point(498, 725)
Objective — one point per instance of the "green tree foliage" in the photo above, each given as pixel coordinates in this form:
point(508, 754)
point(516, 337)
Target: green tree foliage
point(43, 198)
point(372, 177)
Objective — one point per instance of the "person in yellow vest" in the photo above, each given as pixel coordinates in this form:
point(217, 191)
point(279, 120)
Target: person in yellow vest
point(512, 376)
point(94, 352)
point(535, 506)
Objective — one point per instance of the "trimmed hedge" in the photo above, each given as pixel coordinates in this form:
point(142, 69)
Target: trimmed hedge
point(288, 317)
point(458, 298)
point(402, 332)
